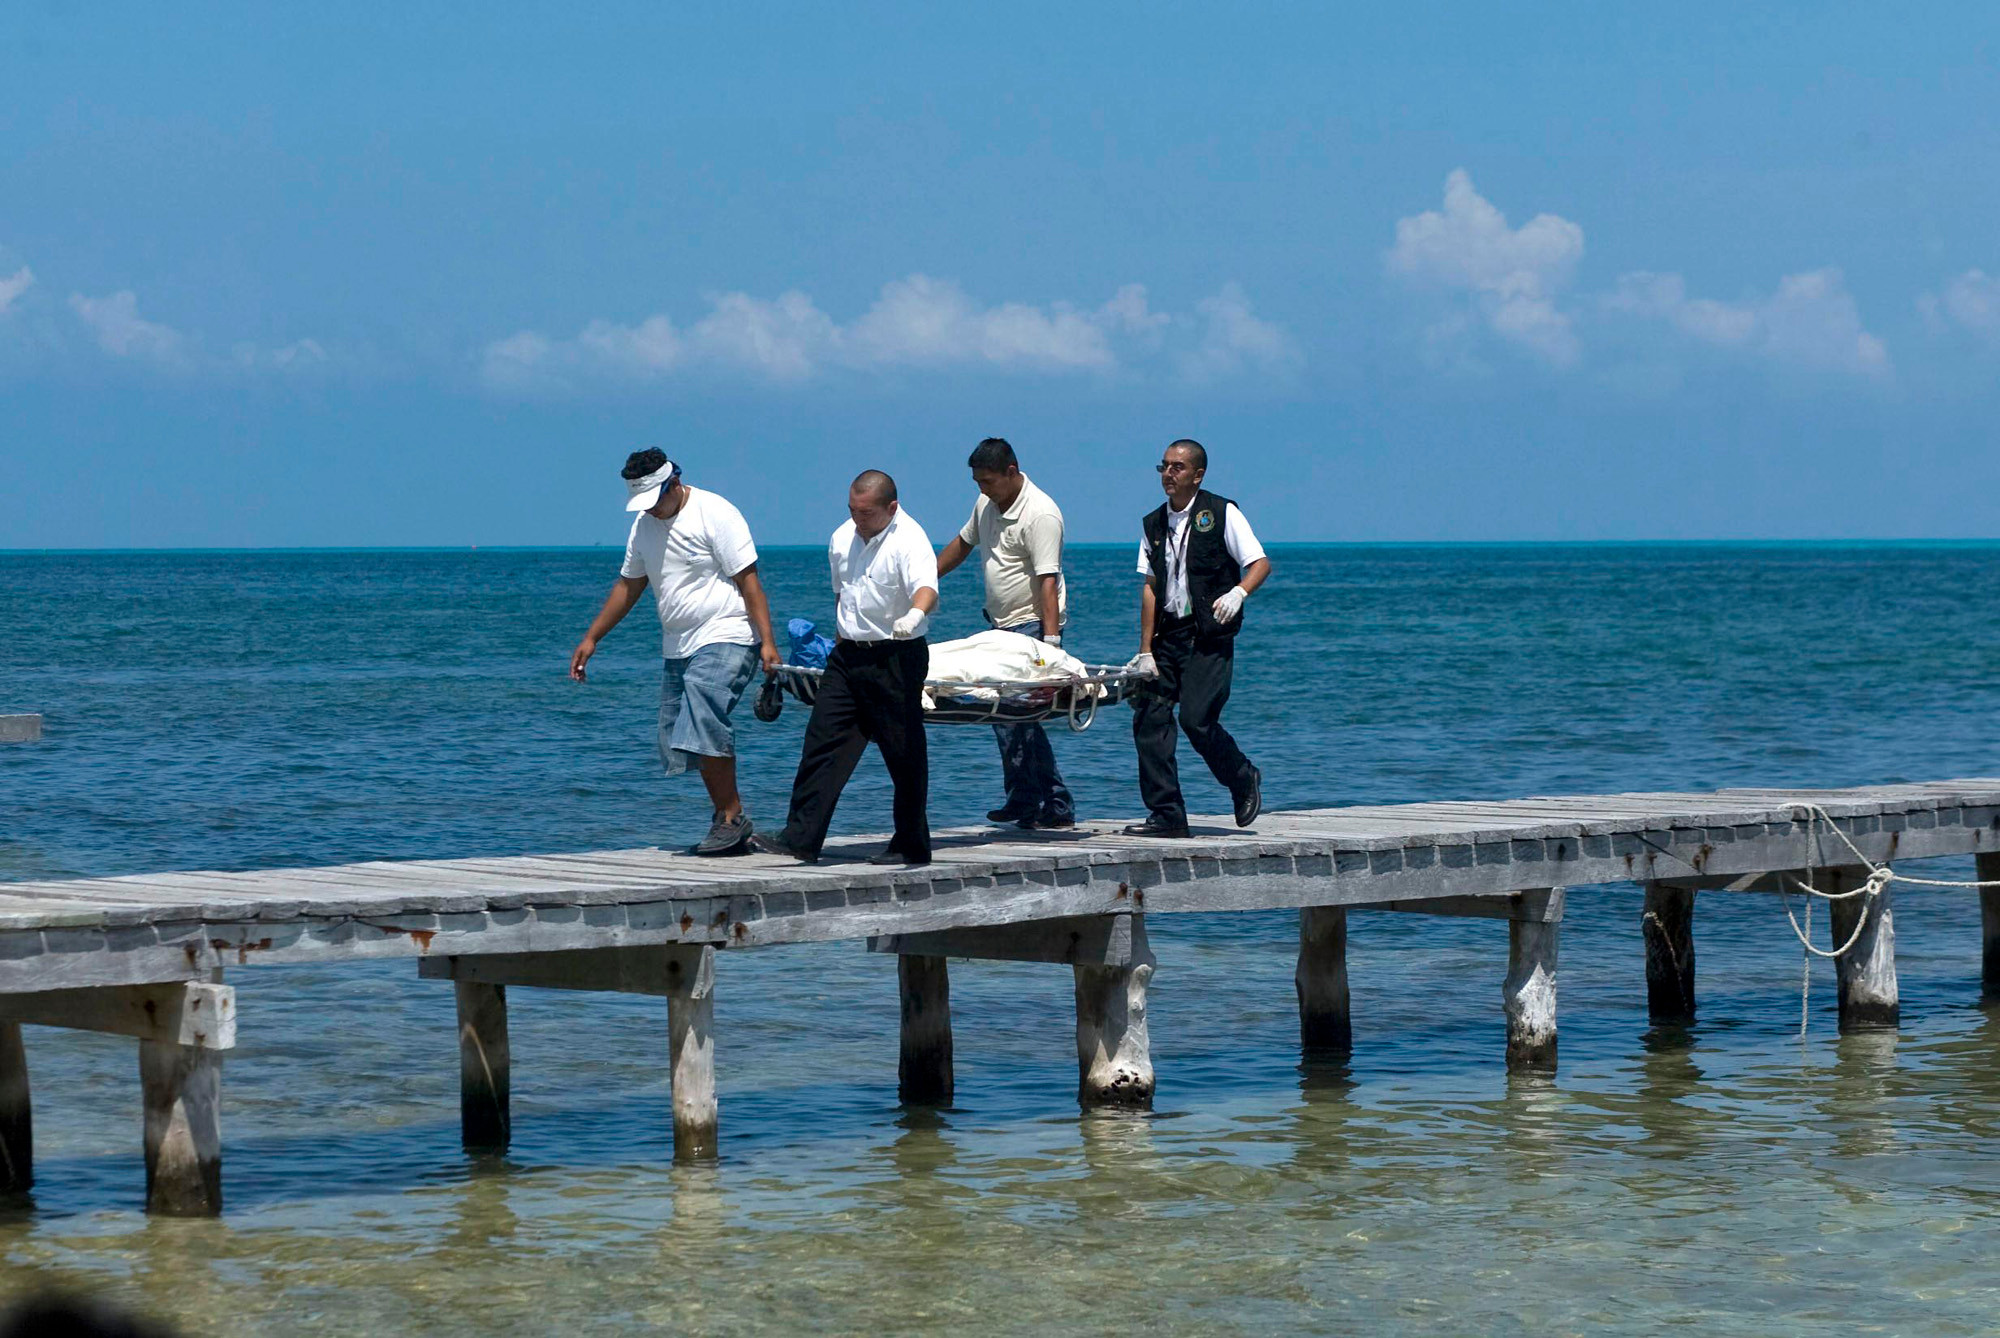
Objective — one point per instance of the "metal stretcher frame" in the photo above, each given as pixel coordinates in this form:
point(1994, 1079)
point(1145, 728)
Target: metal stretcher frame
point(1010, 702)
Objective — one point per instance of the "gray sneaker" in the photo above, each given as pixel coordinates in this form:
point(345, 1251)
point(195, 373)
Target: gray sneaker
point(726, 836)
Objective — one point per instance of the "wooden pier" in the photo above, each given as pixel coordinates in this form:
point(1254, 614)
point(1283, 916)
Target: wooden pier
point(145, 956)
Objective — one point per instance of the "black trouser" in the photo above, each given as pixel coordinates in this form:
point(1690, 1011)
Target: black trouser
point(1028, 768)
point(1194, 672)
point(872, 692)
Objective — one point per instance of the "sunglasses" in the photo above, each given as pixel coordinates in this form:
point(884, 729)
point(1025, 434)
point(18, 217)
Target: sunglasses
point(1173, 467)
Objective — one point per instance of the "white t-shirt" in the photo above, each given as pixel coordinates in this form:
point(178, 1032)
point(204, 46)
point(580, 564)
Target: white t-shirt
point(1016, 546)
point(874, 580)
point(1236, 537)
point(690, 560)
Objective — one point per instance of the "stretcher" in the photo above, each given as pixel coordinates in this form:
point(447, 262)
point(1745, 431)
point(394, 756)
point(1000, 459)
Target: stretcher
point(1075, 699)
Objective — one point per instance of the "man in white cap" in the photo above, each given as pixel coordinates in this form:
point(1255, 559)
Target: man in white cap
point(694, 549)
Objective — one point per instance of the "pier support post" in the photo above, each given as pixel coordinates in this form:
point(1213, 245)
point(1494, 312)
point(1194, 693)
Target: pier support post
point(1114, 1056)
point(485, 1067)
point(1667, 924)
point(1987, 868)
point(924, 1072)
point(691, 1047)
point(1529, 992)
point(1321, 979)
point(17, 1131)
point(1866, 976)
point(181, 1087)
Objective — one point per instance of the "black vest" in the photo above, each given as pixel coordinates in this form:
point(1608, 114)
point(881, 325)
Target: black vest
point(1210, 569)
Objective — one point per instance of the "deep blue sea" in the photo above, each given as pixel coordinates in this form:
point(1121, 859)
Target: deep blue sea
point(256, 709)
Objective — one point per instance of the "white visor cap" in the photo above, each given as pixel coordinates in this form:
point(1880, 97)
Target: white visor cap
point(646, 491)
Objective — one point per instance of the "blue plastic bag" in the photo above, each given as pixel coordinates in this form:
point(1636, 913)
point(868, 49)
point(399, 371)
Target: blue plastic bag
point(809, 648)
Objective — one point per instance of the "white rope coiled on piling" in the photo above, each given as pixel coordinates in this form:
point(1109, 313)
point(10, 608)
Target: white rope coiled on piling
point(1878, 880)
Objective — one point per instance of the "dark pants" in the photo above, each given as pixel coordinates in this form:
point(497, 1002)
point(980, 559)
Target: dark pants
point(872, 692)
point(1035, 787)
point(1194, 673)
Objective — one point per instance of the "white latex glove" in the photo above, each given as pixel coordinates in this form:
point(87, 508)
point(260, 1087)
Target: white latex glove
point(1229, 604)
point(1052, 639)
point(1143, 663)
point(910, 625)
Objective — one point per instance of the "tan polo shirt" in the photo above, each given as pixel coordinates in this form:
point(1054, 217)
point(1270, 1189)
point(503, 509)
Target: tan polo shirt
point(1015, 546)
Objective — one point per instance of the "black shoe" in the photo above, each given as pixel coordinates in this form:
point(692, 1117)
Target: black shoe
point(771, 845)
point(1009, 813)
point(1155, 825)
point(1250, 799)
point(895, 856)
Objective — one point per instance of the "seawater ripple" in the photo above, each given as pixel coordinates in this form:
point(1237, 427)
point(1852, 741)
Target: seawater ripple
point(245, 710)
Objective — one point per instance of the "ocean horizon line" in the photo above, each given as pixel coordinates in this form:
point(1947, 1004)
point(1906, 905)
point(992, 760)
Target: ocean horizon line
point(1285, 544)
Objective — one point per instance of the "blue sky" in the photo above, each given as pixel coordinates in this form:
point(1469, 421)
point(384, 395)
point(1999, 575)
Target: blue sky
point(423, 276)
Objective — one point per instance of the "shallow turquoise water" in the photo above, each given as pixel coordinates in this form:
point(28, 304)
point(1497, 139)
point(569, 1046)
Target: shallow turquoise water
point(247, 710)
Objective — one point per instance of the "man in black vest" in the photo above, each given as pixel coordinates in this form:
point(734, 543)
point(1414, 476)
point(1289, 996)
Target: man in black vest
point(1201, 561)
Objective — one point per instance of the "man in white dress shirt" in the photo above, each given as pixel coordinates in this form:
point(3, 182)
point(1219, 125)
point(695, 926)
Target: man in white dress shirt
point(1200, 561)
point(885, 580)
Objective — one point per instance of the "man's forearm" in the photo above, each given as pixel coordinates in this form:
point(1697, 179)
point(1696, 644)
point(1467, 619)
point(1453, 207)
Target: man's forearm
point(925, 599)
point(1254, 574)
point(1148, 604)
point(954, 553)
point(616, 605)
point(1047, 607)
point(756, 604)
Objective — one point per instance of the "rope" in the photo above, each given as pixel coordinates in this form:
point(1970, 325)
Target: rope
point(1873, 886)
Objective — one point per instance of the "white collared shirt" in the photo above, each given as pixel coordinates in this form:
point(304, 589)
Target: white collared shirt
point(874, 580)
point(1237, 537)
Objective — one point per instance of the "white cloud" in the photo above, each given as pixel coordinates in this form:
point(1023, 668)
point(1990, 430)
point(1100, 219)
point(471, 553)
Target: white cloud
point(1971, 301)
point(1810, 323)
point(1512, 276)
point(917, 322)
point(1234, 342)
point(15, 284)
point(115, 323)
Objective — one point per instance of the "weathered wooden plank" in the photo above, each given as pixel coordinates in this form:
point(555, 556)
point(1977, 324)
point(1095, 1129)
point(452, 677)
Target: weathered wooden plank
point(189, 1013)
point(181, 1089)
point(1529, 992)
point(1113, 1051)
point(642, 970)
point(485, 1067)
point(17, 1124)
point(1102, 940)
point(1866, 975)
point(1667, 925)
point(1537, 904)
point(924, 1074)
point(691, 1050)
point(1320, 978)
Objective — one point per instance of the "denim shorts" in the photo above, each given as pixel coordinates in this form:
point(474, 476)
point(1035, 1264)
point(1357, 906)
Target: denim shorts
point(697, 694)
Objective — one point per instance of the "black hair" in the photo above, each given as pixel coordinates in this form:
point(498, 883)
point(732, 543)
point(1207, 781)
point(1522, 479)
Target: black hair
point(1194, 448)
point(993, 453)
point(641, 463)
point(875, 481)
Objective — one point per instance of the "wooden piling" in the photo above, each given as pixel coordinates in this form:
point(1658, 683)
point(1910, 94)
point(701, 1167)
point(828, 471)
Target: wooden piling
point(485, 1067)
point(17, 1130)
point(924, 1071)
point(181, 1088)
point(1866, 975)
point(1988, 871)
point(1114, 1059)
point(1321, 980)
point(691, 1048)
point(1529, 993)
point(1667, 924)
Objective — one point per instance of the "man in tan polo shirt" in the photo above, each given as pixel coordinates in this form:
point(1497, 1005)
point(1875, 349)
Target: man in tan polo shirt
point(1019, 532)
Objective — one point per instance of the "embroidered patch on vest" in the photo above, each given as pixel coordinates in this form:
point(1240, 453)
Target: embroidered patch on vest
point(1204, 521)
